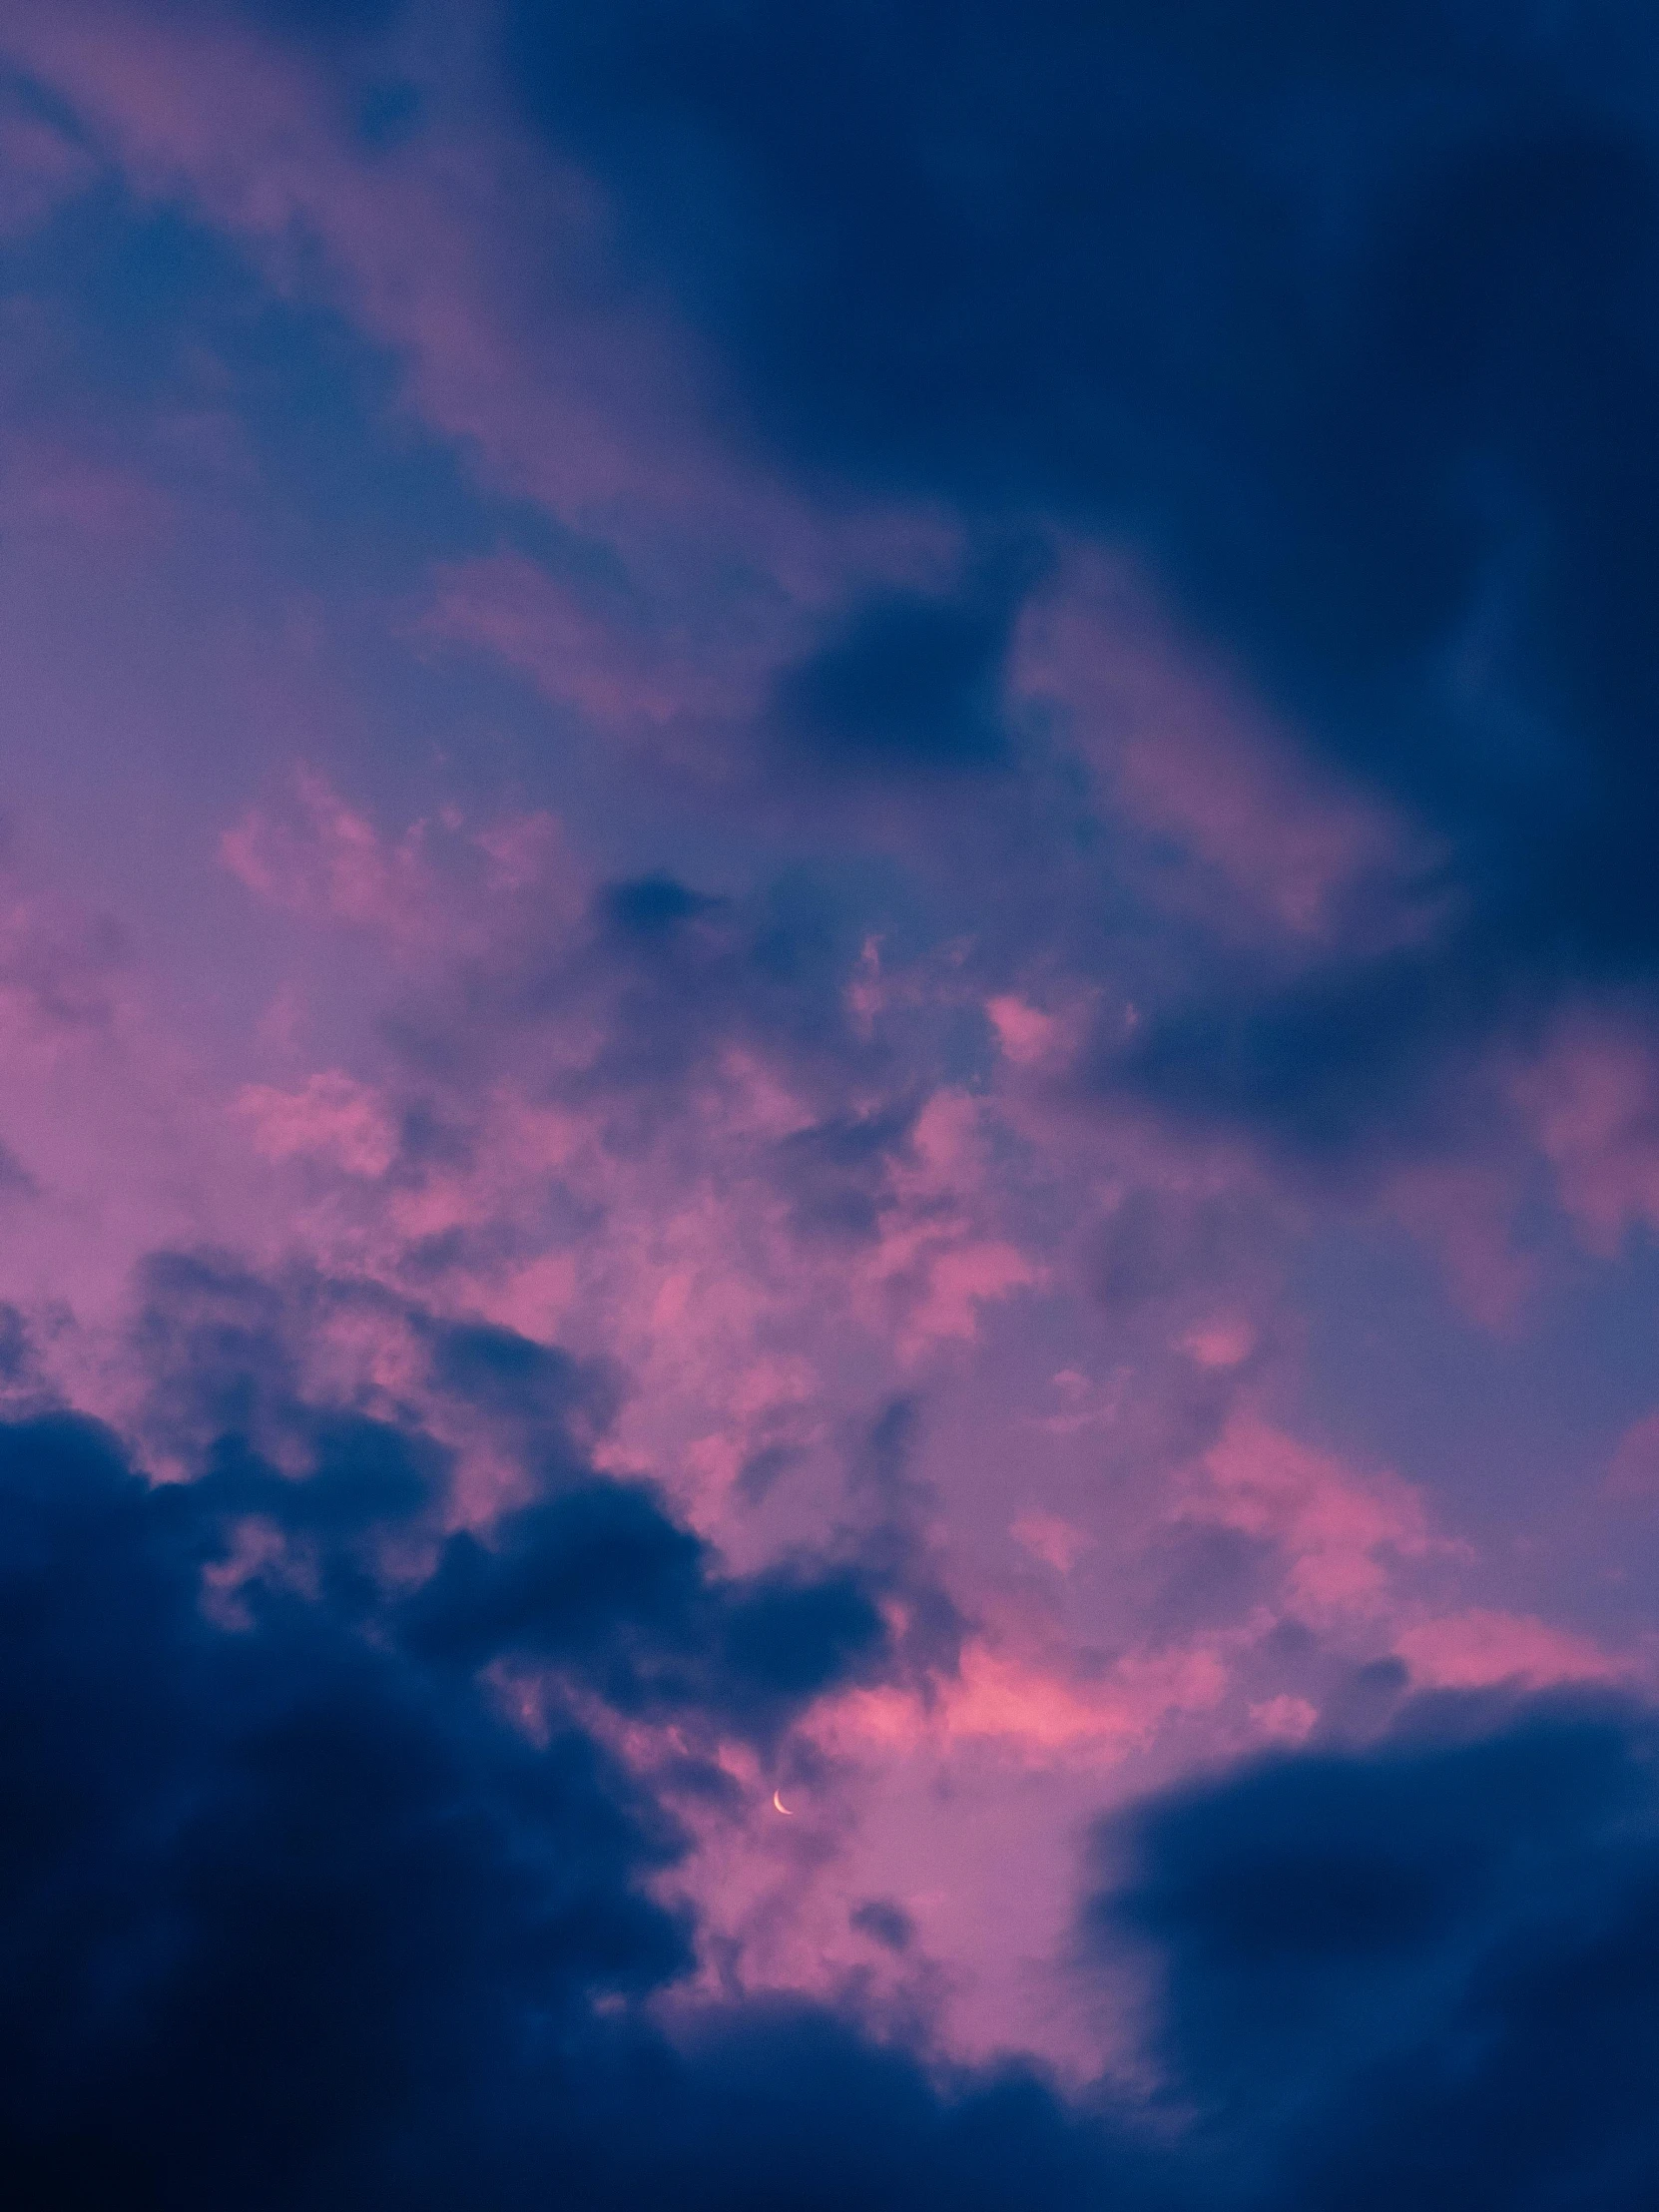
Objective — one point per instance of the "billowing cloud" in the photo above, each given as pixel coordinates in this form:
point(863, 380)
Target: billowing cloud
point(314, 1891)
point(1416, 1971)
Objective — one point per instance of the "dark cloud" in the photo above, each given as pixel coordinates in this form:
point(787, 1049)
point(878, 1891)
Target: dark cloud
point(269, 1896)
point(911, 683)
point(1421, 1973)
point(1343, 321)
point(591, 1577)
point(555, 1404)
point(1342, 1052)
point(652, 906)
point(599, 1578)
point(294, 1915)
point(784, 2108)
point(885, 1921)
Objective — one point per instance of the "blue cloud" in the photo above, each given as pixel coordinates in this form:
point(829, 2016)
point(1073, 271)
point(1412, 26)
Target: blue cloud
point(1344, 323)
point(292, 1914)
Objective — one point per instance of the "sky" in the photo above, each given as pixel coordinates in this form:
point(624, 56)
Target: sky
point(829, 1130)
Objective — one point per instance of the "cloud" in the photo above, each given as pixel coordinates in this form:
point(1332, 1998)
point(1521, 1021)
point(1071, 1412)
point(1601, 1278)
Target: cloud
point(331, 1115)
point(1481, 1647)
point(600, 1579)
point(977, 685)
point(607, 661)
point(1332, 1525)
point(910, 684)
point(1361, 394)
point(266, 1895)
point(1590, 1095)
point(301, 1899)
point(1413, 1970)
point(1333, 602)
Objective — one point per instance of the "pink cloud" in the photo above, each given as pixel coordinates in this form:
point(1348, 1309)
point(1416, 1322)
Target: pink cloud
point(740, 1334)
point(116, 1139)
point(329, 861)
point(1049, 1539)
point(1338, 1530)
point(1223, 1342)
point(1031, 1710)
point(623, 678)
point(1477, 1648)
point(1285, 1719)
point(1462, 1210)
point(1592, 1102)
point(1183, 755)
point(932, 1265)
point(330, 1118)
point(61, 976)
point(438, 891)
point(1028, 1037)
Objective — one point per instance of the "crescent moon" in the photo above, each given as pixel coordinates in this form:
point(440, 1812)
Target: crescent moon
point(778, 1800)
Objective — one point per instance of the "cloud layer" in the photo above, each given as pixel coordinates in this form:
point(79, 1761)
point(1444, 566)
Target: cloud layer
point(827, 981)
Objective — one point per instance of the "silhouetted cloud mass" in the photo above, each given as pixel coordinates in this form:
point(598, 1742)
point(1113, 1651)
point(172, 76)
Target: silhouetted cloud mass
point(299, 1909)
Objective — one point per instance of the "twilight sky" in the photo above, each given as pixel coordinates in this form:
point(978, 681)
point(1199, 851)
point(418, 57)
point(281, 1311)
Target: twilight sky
point(830, 965)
